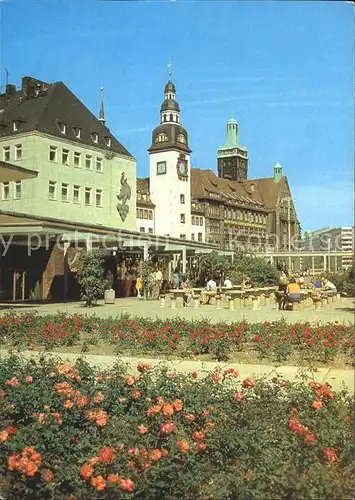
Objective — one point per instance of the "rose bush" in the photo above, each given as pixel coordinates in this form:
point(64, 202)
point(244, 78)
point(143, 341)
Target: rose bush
point(74, 432)
point(276, 341)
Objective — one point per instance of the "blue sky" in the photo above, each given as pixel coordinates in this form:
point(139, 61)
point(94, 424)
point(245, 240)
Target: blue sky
point(283, 69)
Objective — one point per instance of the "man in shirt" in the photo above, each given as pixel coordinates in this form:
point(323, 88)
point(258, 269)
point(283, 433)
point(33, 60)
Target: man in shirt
point(211, 285)
point(227, 283)
point(328, 285)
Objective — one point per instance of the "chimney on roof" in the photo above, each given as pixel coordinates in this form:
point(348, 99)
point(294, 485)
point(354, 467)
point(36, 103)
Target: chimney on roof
point(31, 87)
point(10, 90)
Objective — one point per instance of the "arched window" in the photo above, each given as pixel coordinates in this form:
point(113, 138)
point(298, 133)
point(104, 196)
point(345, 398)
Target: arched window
point(164, 118)
point(171, 117)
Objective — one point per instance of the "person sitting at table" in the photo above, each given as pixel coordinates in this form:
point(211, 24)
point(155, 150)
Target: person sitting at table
point(293, 291)
point(227, 283)
point(283, 282)
point(329, 286)
point(246, 282)
point(187, 291)
point(211, 285)
point(318, 283)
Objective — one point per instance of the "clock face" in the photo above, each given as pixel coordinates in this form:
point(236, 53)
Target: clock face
point(182, 168)
point(161, 167)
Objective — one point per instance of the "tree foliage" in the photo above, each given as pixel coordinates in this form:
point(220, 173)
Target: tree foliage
point(91, 276)
point(219, 267)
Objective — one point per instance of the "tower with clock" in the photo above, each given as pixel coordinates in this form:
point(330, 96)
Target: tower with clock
point(169, 170)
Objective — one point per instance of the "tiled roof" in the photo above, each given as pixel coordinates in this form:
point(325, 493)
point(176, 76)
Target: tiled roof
point(41, 106)
point(268, 189)
point(204, 182)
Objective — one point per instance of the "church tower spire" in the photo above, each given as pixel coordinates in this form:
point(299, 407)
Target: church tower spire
point(102, 109)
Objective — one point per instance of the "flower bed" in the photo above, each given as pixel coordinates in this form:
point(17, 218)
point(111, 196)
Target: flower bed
point(71, 432)
point(277, 341)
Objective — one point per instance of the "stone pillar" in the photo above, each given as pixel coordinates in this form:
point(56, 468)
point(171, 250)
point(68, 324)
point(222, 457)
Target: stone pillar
point(183, 260)
point(145, 251)
point(88, 244)
point(312, 265)
point(324, 262)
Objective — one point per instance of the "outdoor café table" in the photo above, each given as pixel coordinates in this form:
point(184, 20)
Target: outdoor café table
point(177, 299)
point(235, 299)
point(206, 296)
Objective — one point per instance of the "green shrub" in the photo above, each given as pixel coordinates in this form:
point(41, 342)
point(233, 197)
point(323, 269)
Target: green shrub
point(91, 276)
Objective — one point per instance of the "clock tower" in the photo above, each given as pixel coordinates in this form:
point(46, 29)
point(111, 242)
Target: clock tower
point(232, 158)
point(169, 170)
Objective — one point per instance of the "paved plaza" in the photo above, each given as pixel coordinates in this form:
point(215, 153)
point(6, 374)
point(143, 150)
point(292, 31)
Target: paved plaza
point(341, 311)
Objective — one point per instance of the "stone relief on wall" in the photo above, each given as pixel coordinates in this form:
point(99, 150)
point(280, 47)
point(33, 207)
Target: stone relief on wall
point(123, 196)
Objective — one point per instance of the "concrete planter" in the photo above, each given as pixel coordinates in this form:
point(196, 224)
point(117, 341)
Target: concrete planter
point(109, 296)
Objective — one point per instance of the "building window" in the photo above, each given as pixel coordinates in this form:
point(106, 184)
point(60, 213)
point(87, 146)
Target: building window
point(95, 137)
point(62, 128)
point(65, 156)
point(181, 138)
point(77, 132)
point(150, 230)
point(18, 189)
point(77, 159)
point(87, 196)
point(192, 237)
point(164, 118)
point(201, 221)
point(193, 220)
point(99, 197)
point(52, 188)
point(6, 153)
point(182, 218)
point(6, 191)
point(142, 229)
point(171, 117)
point(76, 194)
point(52, 153)
point(199, 237)
point(183, 236)
point(98, 164)
point(150, 214)
point(108, 141)
point(18, 151)
point(65, 192)
point(145, 216)
point(88, 160)
point(182, 198)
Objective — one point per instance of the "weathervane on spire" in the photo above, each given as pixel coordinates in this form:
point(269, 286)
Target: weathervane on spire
point(170, 68)
point(102, 109)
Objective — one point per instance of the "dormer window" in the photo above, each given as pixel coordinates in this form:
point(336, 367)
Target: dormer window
point(181, 138)
point(62, 128)
point(15, 126)
point(95, 137)
point(77, 132)
point(108, 141)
